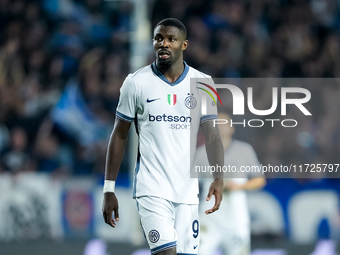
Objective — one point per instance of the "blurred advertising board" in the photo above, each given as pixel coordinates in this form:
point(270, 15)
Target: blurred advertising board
point(37, 206)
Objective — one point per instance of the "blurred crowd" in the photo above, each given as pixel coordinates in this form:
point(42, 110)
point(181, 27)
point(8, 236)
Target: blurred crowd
point(264, 38)
point(272, 38)
point(62, 63)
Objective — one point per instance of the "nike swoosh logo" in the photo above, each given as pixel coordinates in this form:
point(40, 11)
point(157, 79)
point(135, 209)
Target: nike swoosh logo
point(151, 100)
point(195, 246)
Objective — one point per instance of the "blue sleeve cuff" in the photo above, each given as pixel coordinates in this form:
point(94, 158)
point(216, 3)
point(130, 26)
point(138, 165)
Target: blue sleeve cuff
point(124, 117)
point(208, 117)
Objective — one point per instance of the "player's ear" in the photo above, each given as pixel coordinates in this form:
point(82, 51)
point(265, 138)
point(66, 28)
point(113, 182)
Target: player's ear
point(185, 44)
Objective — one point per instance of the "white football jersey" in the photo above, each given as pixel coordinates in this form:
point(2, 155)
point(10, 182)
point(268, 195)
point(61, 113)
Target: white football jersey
point(166, 115)
point(233, 212)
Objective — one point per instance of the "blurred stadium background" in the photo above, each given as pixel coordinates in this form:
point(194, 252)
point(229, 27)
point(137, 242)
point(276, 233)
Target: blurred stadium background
point(62, 63)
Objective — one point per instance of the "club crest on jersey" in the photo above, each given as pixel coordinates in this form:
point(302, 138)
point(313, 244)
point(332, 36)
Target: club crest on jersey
point(172, 99)
point(190, 101)
point(154, 236)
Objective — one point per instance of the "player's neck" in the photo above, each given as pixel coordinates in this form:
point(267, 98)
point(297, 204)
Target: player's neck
point(173, 72)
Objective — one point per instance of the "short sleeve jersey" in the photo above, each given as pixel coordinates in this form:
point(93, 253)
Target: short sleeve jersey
point(167, 118)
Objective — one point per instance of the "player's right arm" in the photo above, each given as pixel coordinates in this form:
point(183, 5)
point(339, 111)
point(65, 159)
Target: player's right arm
point(114, 157)
point(125, 115)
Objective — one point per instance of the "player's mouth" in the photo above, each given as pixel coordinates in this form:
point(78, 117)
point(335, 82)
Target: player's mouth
point(163, 54)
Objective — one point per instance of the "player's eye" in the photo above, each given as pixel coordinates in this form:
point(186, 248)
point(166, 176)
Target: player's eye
point(158, 39)
point(172, 39)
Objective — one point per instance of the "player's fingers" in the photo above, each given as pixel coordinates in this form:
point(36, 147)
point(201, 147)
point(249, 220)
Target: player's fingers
point(218, 199)
point(215, 208)
point(210, 193)
point(108, 219)
point(116, 214)
point(111, 221)
point(211, 210)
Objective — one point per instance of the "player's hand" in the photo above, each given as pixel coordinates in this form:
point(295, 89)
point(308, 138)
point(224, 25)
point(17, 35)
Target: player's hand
point(216, 188)
point(110, 204)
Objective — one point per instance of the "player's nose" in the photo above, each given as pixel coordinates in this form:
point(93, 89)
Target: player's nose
point(164, 43)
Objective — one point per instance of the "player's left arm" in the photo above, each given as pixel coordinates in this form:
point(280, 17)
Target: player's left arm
point(215, 153)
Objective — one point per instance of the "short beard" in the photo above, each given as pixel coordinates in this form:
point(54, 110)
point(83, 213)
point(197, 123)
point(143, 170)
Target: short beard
point(164, 64)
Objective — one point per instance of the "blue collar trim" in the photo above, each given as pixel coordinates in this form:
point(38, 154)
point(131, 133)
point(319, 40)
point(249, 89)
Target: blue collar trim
point(162, 77)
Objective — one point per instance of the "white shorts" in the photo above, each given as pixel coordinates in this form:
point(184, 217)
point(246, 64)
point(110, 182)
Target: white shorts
point(167, 224)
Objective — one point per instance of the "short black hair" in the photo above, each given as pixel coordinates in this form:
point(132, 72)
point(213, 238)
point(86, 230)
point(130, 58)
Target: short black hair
point(174, 23)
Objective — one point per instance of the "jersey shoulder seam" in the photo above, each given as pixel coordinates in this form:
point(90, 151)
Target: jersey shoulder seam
point(140, 69)
point(203, 74)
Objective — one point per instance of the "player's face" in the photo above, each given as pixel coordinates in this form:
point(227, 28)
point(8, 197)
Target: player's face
point(168, 44)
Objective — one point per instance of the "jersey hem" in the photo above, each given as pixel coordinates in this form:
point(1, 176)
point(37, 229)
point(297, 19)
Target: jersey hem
point(163, 247)
point(169, 199)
